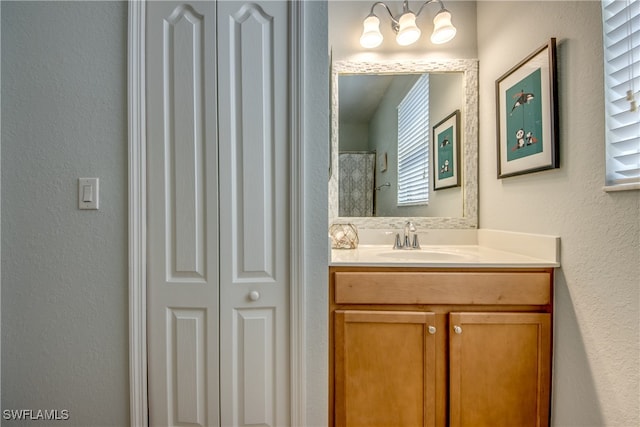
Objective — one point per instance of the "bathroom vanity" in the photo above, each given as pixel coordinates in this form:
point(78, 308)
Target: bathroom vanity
point(446, 335)
point(457, 333)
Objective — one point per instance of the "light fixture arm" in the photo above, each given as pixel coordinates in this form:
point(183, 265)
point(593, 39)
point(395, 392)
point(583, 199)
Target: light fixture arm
point(394, 21)
point(429, 2)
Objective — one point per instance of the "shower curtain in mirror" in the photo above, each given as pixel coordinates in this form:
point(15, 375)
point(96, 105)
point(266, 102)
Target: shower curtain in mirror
point(356, 191)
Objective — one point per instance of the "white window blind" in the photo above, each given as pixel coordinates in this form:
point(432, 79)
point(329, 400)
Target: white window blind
point(413, 145)
point(621, 27)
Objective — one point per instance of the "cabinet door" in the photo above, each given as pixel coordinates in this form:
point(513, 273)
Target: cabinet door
point(384, 368)
point(500, 367)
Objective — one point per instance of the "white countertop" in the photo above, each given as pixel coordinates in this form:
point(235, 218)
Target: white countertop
point(496, 249)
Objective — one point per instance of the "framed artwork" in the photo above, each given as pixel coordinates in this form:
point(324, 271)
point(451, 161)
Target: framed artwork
point(527, 115)
point(446, 152)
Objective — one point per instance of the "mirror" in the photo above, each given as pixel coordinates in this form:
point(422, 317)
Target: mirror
point(364, 129)
point(368, 142)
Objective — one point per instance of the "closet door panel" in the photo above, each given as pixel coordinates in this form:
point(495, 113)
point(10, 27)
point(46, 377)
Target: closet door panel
point(254, 330)
point(254, 212)
point(183, 89)
point(251, 142)
point(183, 304)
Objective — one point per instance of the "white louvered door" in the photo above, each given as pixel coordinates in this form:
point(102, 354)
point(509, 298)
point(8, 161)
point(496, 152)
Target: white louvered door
point(254, 213)
point(218, 205)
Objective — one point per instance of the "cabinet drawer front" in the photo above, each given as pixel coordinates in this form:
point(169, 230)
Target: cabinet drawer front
point(508, 288)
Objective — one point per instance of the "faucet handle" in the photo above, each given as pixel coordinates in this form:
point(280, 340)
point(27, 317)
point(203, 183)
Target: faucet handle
point(398, 243)
point(416, 243)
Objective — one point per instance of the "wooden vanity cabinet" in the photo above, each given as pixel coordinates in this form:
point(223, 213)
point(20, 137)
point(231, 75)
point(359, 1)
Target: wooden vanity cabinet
point(438, 347)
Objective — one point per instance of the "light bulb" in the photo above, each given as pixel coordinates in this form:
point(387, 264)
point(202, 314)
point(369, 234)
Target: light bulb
point(371, 36)
point(408, 32)
point(443, 29)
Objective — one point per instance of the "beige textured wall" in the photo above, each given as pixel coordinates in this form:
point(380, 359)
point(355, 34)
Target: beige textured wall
point(597, 343)
point(316, 213)
point(64, 271)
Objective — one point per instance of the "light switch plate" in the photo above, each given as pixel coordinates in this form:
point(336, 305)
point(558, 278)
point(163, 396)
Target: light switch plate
point(88, 193)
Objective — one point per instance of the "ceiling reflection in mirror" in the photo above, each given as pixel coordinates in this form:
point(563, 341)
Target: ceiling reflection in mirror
point(363, 187)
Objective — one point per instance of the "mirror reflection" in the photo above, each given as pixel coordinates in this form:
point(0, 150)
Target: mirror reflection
point(360, 92)
point(378, 113)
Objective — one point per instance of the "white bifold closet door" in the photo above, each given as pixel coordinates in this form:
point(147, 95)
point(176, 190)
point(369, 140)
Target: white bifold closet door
point(218, 213)
point(254, 213)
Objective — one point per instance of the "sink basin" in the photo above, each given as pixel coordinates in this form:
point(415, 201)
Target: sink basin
point(424, 255)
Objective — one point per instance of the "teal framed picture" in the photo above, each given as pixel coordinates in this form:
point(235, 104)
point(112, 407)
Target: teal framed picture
point(527, 115)
point(446, 152)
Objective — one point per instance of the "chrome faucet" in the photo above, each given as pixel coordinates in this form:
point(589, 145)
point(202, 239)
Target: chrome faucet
point(407, 242)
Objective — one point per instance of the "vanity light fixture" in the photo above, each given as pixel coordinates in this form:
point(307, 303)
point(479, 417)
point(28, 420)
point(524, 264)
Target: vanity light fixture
point(404, 25)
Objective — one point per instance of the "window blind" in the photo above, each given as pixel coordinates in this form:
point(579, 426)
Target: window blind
point(621, 28)
point(413, 145)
